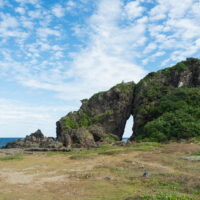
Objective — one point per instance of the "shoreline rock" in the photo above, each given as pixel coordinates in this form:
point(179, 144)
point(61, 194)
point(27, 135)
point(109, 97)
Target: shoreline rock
point(35, 140)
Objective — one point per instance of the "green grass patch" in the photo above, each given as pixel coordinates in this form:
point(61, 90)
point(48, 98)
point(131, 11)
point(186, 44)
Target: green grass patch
point(163, 196)
point(197, 153)
point(145, 146)
point(84, 154)
point(54, 153)
point(12, 157)
point(114, 150)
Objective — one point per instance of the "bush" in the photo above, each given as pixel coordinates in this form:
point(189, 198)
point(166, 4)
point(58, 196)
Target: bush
point(176, 115)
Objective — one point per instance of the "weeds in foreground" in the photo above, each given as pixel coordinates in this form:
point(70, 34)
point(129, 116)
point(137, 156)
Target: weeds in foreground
point(161, 196)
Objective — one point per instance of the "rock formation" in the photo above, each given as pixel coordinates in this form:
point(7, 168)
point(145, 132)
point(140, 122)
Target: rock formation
point(36, 141)
point(104, 115)
point(165, 106)
point(101, 118)
point(164, 96)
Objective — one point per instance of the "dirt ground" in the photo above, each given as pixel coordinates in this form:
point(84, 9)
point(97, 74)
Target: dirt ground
point(107, 173)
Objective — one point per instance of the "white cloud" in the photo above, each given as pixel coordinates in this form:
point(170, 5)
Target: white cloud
point(110, 52)
point(133, 9)
point(10, 27)
point(178, 28)
point(106, 60)
point(45, 32)
point(33, 2)
point(27, 23)
point(20, 10)
point(150, 47)
point(58, 11)
point(8, 21)
point(70, 5)
point(2, 3)
point(35, 14)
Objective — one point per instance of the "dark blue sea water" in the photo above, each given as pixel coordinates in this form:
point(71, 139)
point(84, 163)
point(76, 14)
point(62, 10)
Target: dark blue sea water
point(4, 141)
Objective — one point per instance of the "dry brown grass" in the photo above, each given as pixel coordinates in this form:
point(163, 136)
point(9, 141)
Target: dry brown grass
point(109, 173)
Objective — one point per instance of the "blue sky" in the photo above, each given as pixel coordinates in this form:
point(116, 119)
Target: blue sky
point(54, 53)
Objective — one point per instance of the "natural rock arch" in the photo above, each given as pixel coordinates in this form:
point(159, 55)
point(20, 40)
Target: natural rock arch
point(165, 106)
point(104, 115)
point(128, 131)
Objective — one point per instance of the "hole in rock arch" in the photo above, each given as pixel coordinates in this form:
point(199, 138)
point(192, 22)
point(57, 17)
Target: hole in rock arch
point(128, 128)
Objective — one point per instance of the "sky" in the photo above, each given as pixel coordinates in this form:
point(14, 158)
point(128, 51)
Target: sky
point(53, 53)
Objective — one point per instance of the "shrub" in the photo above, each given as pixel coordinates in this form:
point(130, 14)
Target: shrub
point(176, 115)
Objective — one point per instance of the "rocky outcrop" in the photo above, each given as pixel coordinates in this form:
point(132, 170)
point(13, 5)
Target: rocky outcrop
point(165, 105)
point(36, 140)
point(104, 115)
point(100, 118)
point(171, 87)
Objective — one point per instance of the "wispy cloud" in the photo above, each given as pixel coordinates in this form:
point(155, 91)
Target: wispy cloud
point(112, 40)
point(58, 10)
point(174, 27)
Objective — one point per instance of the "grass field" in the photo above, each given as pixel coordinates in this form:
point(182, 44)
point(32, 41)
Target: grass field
point(106, 173)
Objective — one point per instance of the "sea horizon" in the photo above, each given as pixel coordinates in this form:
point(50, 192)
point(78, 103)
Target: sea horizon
point(6, 140)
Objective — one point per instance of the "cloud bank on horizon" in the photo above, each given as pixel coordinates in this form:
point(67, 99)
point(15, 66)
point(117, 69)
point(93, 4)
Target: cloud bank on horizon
point(54, 53)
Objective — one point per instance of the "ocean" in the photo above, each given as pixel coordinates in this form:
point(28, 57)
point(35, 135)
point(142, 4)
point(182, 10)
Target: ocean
point(4, 141)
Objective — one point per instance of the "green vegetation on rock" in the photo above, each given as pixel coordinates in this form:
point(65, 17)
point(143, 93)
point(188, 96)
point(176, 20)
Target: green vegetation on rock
point(124, 87)
point(69, 123)
point(179, 67)
point(175, 116)
point(84, 120)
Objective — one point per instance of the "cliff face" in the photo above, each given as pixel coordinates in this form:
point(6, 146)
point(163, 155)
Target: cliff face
point(165, 105)
point(101, 118)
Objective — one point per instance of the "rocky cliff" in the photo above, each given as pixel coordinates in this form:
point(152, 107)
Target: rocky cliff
point(165, 105)
point(101, 118)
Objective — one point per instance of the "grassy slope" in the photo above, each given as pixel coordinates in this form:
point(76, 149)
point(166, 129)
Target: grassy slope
point(107, 173)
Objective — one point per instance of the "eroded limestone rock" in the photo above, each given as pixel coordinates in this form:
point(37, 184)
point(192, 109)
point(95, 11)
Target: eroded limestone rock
point(100, 118)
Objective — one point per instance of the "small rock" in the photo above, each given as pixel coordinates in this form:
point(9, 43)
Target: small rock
point(146, 174)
